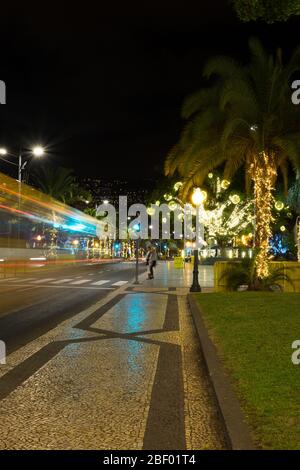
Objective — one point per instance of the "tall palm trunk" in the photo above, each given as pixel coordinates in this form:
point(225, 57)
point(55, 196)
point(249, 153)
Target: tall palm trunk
point(263, 174)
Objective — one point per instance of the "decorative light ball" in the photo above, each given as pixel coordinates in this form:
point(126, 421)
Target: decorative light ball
point(150, 211)
point(168, 197)
point(172, 206)
point(210, 175)
point(157, 203)
point(164, 220)
point(282, 228)
point(235, 199)
point(279, 205)
point(225, 184)
point(177, 185)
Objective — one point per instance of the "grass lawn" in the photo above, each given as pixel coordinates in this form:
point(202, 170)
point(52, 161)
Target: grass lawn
point(253, 332)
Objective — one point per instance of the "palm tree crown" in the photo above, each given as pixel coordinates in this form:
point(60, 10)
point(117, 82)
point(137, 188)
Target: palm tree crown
point(245, 119)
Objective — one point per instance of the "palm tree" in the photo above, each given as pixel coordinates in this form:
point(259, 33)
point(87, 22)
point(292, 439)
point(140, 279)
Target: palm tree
point(293, 198)
point(57, 182)
point(245, 119)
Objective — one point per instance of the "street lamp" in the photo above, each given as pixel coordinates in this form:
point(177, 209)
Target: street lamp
point(137, 229)
point(37, 151)
point(198, 198)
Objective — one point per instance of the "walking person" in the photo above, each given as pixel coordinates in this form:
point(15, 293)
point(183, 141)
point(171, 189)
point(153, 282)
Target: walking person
point(148, 253)
point(152, 262)
point(147, 257)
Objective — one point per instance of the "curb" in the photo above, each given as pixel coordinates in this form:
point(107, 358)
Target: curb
point(237, 430)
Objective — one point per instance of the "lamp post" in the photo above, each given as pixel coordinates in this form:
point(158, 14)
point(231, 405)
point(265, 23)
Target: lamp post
point(137, 229)
point(36, 151)
point(198, 198)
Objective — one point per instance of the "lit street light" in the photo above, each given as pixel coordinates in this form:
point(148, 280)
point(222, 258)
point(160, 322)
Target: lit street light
point(198, 198)
point(37, 151)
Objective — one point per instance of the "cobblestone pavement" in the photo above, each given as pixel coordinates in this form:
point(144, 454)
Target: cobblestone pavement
point(126, 373)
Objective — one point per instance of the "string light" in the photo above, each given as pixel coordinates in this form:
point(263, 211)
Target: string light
point(263, 174)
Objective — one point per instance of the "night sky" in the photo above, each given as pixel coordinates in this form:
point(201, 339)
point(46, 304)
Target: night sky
point(102, 87)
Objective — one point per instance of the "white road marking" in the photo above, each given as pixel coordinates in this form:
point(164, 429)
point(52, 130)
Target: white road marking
point(66, 286)
point(19, 279)
point(81, 281)
point(99, 283)
point(61, 281)
point(120, 283)
point(41, 281)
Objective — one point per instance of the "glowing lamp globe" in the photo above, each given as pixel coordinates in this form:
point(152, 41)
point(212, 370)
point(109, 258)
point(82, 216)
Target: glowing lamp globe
point(38, 151)
point(198, 197)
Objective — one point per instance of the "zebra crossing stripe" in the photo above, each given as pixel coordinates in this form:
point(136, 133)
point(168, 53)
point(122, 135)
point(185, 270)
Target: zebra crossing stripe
point(120, 283)
point(18, 279)
point(99, 283)
point(81, 281)
point(61, 281)
point(41, 281)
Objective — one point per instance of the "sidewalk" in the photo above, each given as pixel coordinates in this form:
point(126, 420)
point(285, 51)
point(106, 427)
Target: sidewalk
point(126, 373)
point(166, 275)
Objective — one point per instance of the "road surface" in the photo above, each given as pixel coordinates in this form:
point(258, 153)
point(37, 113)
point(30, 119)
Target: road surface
point(35, 302)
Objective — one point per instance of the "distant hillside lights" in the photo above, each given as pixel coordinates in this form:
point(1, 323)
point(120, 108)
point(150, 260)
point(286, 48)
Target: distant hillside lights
point(2, 92)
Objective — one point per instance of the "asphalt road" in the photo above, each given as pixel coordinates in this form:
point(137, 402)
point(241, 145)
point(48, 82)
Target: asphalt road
point(33, 303)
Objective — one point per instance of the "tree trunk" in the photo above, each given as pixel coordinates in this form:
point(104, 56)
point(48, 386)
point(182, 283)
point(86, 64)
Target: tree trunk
point(263, 174)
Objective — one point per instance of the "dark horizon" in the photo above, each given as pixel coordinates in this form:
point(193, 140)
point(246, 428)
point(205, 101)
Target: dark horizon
point(103, 91)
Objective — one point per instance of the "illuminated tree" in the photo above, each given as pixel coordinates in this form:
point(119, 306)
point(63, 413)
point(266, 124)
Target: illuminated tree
point(244, 119)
